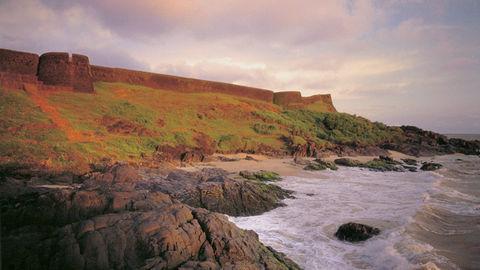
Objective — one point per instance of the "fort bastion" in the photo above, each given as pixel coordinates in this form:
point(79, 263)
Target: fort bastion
point(55, 71)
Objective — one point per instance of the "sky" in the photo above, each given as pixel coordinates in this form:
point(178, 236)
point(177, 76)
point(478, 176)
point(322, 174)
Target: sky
point(399, 62)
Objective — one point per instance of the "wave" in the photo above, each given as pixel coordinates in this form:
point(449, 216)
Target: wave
point(418, 213)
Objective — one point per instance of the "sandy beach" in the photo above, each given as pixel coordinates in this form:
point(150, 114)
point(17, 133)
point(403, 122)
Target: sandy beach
point(283, 166)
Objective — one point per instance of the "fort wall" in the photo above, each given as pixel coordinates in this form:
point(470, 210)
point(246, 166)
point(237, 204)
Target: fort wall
point(18, 62)
point(51, 71)
point(82, 75)
point(177, 84)
point(54, 69)
point(58, 71)
point(294, 99)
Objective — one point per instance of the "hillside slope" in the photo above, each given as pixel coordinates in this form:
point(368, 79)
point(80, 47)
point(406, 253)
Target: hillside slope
point(64, 130)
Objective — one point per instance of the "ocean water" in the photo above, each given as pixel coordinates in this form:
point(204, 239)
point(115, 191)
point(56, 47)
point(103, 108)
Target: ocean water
point(468, 137)
point(428, 219)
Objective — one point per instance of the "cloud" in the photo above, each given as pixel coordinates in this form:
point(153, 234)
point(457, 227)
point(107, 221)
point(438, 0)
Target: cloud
point(388, 60)
point(34, 26)
point(291, 21)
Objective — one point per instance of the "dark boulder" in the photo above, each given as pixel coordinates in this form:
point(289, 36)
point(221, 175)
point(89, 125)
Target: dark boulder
point(410, 161)
point(356, 232)
point(410, 168)
point(347, 162)
point(388, 160)
point(382, 165)
point(320, 164)
point(430, 166)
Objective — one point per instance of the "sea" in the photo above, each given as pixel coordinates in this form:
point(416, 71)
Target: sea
point(428, 220)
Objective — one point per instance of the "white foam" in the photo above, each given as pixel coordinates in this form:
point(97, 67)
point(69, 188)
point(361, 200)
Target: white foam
point(304, 228)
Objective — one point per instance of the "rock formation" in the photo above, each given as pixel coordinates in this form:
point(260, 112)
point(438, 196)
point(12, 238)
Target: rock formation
point(214, 190)
point(356, 232)
point(112, 221)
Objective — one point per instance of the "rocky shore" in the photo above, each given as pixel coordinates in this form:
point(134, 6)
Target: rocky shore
point(124, 217)
point(119, 219)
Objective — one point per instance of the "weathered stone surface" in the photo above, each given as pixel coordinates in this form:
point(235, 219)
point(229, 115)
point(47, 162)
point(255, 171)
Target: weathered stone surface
point(18, 62)
point(319, 164)
point(410, 161)
point(294, 100)
point(418, 142)
point(214, 190)
point(59, 69)
point(81, 73)
point(105, 224)
point(430, 166)
point(355, 232)
point(347, 162)
point(54, 69)
point(178, 84)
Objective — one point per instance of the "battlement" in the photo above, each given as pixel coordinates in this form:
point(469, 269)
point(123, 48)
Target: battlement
point(60, 71)
point(294, 100)
point(50, 70)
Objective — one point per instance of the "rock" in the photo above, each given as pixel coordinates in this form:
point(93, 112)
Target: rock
point(320, 164)
point(167, 153)
point(102, 225)
point(388, 160)
point(191, 156)
point(305, 150)
point(410, 161)
point(382, 165)
point(212, 189)
point(356, 232)
point(263, 176)
point(465, 147)
point(250, 158)
point(410, 168)
point(301, 161)
point(417, 142)
point(430, 166)
point(227, 159)
point(347, 162)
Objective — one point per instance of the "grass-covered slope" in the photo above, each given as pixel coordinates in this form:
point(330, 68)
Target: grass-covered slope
point(68, 131)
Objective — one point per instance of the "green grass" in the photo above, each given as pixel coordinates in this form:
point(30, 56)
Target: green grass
point(28, 136)
point(165, 117)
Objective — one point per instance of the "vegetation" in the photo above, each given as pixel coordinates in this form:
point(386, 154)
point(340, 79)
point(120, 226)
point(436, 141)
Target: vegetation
point(127, 122)
point(263, 176)
point(320, 164)
point(347, 162)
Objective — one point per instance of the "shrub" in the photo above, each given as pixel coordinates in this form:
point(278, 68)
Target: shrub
point(262, 176)
point(264, 129)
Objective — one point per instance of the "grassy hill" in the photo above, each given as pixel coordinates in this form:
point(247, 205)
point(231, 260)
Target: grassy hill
point(69, 131)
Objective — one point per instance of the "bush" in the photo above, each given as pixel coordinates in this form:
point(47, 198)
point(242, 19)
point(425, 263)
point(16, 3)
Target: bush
point(320, 164)
point(262, 176)
point(264, 129)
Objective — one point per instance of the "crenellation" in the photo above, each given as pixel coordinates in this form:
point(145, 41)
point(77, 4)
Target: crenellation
point(81, 73)
point(54, 69)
